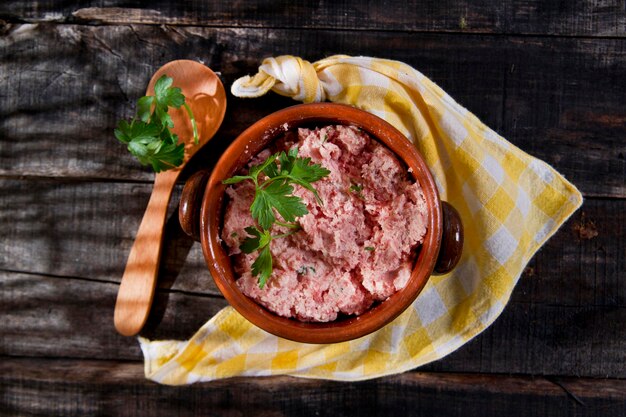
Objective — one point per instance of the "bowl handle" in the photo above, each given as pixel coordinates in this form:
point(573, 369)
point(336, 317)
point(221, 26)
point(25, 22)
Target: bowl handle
point(451, 240)
point(191, 202)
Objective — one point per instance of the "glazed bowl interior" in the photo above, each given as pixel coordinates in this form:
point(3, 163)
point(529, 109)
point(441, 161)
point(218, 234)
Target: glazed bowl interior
point(258, 137)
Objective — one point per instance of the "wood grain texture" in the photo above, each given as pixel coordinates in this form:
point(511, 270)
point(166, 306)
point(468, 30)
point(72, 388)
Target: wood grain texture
point(85, 229)
point(573, 18)
point(549, 76)
point(565, 316)
point(139, 280)
point(529, 338)
point(92, 76)
point(30, 387)
point(65, 317)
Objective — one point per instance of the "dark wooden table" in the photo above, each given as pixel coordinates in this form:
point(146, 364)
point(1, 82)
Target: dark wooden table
point(549, 76)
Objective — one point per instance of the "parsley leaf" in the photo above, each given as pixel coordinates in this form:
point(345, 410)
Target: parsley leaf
point(259, 239)
point(274, 194)
point(356, 188)
point(237, 178)
point(252, 242)
point(172, 98)
point(166, 156)
point(166, 95)
point(136, 132)
point(304, 171)
point(298, 170)
point(271, 170)
point(162, 117)
point(257, 169)
point(262, 266)
point(148, 136)
point(286, 160)
point(144, 104)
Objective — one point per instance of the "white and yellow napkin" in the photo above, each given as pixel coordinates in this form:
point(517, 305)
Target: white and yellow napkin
point(510, 203)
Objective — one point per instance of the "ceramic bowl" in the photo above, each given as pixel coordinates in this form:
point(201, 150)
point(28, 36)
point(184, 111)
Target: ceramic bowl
point(203, 201)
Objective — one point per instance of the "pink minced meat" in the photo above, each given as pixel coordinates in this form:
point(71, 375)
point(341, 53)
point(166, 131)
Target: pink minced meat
point(358, 248)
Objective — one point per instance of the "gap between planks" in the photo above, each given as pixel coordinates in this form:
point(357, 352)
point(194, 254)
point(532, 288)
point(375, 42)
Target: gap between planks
point(72, 21)
point(56, 369)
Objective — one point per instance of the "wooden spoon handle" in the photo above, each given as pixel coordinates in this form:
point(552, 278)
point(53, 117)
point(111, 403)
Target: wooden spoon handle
point(136, 291)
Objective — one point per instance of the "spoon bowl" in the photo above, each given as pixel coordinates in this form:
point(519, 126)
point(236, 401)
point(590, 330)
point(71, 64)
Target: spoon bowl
point(205, 95)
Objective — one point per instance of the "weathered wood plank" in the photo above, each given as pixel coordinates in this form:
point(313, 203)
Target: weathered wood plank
point(86, 229)
point(55, 243)
point(559, 99)
point(565, 316)
point(52, 316)
point(582, 17)
point(33, 387)
point(69, 85)
point(544, 339)
point(552, 110)
point(40, 319)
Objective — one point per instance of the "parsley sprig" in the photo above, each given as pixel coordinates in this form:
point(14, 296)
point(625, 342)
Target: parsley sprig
point(148, 135)
point(273, 195)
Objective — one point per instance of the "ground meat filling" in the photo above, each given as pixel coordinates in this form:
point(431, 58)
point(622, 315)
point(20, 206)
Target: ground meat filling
point(355, 249)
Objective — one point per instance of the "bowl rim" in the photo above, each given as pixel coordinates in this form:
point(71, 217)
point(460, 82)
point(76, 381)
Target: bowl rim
point(253, 140)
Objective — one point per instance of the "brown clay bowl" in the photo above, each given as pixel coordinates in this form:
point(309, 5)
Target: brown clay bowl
point(201, 217)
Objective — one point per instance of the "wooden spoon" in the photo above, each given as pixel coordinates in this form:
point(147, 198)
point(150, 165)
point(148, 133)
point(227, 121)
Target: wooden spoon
point(205, 95)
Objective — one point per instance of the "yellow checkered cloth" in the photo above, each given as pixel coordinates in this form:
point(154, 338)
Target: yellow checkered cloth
point(510, 203)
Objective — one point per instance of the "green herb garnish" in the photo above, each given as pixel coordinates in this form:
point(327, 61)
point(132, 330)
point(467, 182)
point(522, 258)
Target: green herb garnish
point(370, 248)
point(148, 135)
point(357, 189)
point(273, 195)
